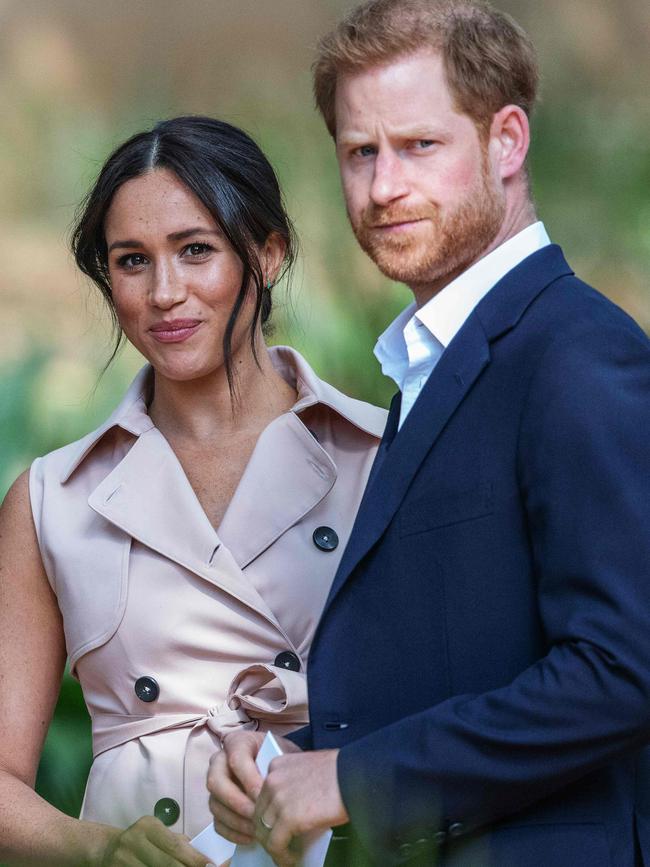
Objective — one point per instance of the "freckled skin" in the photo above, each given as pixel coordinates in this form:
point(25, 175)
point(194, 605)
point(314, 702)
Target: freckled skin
point(168, 279)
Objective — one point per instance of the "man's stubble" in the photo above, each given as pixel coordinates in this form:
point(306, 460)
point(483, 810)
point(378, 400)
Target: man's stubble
point(449, 244)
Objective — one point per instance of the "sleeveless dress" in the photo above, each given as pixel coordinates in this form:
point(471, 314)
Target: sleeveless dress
point(179, 633)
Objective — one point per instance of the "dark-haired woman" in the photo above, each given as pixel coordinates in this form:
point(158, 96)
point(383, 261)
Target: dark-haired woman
point(178, 556)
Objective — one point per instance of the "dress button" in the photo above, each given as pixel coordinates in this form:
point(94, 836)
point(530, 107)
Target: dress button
point(325, 538)
point(456, 829)
point(287, 660)
point(147, 689)
point(167, 810)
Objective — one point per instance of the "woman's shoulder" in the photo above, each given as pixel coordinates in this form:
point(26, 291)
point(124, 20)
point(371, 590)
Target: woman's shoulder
point(128, 419)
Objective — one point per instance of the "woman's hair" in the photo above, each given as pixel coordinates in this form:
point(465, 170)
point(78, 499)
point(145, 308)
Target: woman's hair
point(489, 60)
point(228, 173)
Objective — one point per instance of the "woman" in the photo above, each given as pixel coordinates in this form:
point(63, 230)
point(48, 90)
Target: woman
point(180, 554)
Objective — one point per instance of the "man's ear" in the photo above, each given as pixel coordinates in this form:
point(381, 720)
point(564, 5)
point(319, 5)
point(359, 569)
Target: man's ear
point(272, 257)
point(509, 141)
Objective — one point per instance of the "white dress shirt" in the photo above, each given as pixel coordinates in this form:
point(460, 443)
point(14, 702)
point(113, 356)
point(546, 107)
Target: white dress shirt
point(412, 344)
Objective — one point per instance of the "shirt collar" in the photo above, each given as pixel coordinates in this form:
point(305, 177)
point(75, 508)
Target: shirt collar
point(446, 312)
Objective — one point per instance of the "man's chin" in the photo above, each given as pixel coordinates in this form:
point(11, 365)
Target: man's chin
point(404, 268)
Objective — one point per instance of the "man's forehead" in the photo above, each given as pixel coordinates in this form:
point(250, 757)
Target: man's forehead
point(409, 94)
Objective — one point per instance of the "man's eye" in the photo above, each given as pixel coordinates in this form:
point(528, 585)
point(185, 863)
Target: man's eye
point(422, 144)
point(365, 151)
point(132, 260)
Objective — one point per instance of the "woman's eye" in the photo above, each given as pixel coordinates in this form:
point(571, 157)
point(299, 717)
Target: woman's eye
point(132, 260)
point(197, 250)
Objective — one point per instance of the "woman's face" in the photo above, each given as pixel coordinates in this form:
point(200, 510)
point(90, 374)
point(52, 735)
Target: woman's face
point(174, 277)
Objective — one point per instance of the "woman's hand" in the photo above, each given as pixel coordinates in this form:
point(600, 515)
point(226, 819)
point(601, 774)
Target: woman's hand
point(148, 843)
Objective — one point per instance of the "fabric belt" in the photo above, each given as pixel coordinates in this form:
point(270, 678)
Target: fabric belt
point(261, 695)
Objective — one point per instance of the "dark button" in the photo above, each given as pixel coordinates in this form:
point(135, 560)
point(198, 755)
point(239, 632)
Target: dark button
point(167, 810)
point(456, 829)
point(440, 837)
point(147, 689)
point(423, 843)
point(287, 660)
point(314, 434)
point(406, 850)
point(325, 538)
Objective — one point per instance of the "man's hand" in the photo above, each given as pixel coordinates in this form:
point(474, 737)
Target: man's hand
point(300, 794)
point(234, 784)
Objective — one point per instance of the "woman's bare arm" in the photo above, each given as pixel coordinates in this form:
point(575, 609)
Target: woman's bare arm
point(32, 657)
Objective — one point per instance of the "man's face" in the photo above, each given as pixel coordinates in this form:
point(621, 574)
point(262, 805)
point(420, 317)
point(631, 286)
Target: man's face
point(422, 198)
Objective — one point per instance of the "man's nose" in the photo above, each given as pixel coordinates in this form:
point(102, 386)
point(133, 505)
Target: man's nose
point(389, 180)
point(167, 287)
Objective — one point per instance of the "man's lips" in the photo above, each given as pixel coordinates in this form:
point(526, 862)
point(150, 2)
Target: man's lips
point(174, 331)
point(398, 225)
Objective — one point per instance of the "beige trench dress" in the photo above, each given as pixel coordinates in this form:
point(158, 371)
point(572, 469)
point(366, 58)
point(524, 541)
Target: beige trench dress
point(179, 633)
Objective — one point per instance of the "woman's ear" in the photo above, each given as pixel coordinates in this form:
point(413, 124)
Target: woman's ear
point(272, 257)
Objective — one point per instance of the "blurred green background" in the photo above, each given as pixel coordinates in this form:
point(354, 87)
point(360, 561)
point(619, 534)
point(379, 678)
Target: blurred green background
point(79, 76)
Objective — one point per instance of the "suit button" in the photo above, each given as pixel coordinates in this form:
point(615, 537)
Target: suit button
point(147, 689)
point(325, 538)
point(440, 837)
point(167, 810)
point(287, 660)
point(406, 850)
point(456, 829)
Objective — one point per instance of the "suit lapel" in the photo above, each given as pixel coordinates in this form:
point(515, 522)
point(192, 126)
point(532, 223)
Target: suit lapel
point(459, 367)
point(448, 384)
point(148, 496)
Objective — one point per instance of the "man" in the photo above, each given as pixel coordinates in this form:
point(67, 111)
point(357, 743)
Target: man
point(479, 682)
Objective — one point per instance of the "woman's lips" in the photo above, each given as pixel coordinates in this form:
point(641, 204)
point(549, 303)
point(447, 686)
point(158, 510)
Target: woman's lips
point(175, 331)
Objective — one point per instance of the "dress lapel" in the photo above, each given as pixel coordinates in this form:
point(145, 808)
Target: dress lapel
point(287, 476)
point(148, 496)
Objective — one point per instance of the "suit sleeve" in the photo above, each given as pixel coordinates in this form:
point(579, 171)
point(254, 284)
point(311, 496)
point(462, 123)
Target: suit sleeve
point(584, 471)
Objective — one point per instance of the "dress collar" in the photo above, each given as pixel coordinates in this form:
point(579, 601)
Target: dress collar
point(131, 413)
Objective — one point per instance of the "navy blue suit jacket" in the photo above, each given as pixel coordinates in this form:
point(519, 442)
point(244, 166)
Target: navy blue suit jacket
point(483, 660)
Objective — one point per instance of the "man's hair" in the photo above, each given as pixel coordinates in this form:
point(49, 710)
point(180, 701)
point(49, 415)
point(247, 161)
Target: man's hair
point(489, 60)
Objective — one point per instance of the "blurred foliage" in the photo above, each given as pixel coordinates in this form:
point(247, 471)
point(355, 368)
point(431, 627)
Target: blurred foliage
point(78, 76)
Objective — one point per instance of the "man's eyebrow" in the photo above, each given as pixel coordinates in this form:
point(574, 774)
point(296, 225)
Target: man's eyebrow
point(355, 139)
point(131, 244)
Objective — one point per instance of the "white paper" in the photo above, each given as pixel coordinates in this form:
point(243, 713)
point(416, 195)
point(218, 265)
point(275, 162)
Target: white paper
point(214, 846)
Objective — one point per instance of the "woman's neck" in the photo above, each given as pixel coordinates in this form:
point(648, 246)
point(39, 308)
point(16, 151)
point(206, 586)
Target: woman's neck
point(200, 410)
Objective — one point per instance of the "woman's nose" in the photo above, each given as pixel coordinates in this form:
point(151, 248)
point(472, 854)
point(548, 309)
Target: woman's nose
point(167, 287)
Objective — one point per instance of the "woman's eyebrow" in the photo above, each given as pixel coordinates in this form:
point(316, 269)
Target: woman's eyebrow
point(131, 244)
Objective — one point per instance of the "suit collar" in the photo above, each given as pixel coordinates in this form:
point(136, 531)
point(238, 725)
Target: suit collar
point(506, 303)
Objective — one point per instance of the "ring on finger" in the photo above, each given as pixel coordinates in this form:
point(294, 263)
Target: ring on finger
point(265, 824)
